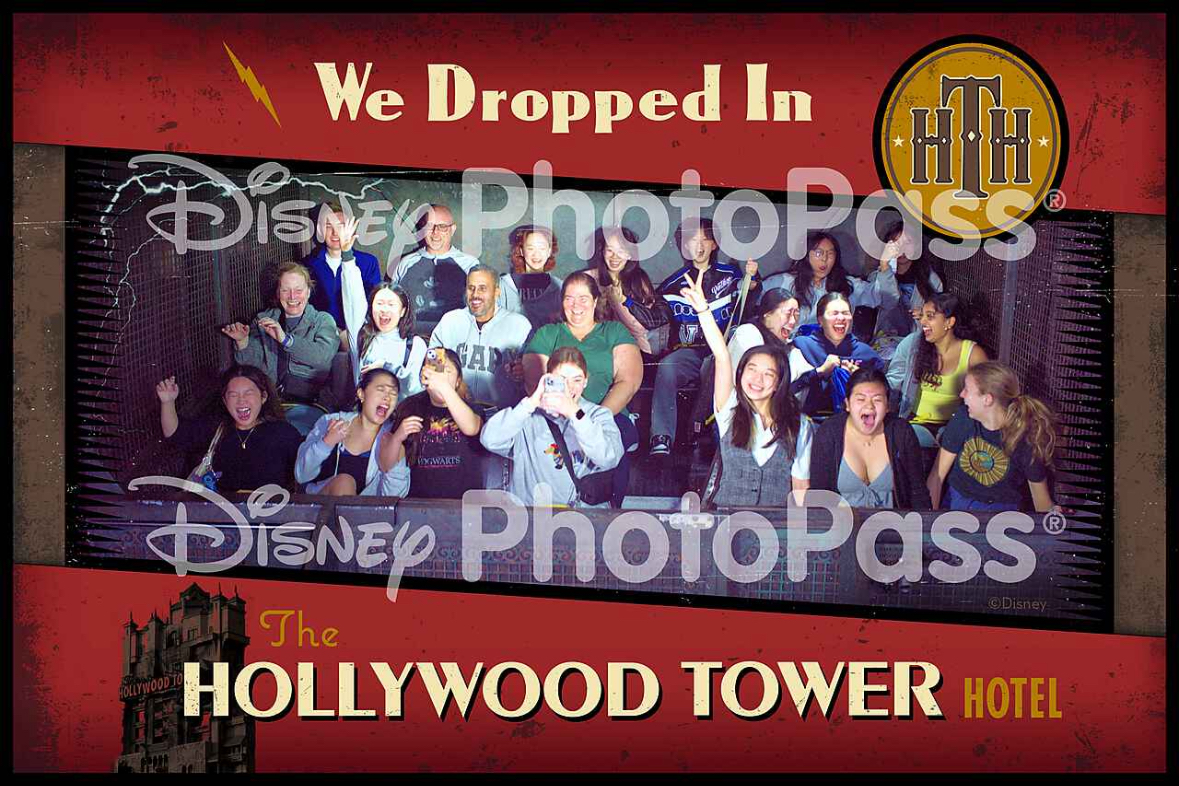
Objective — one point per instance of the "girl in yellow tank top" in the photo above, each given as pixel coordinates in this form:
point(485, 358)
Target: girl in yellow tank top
point(942, 362)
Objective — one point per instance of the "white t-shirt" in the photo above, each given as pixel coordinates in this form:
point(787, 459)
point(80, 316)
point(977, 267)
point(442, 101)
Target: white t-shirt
point(801, 468)
point(748, 336)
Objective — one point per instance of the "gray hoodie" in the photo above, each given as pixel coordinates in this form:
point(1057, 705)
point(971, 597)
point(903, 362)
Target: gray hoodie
point(521, 434)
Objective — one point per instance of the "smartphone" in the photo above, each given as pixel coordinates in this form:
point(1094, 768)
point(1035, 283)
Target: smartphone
point(554, 385)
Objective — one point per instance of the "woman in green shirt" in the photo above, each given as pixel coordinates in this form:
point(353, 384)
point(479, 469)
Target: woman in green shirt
point(610, 351)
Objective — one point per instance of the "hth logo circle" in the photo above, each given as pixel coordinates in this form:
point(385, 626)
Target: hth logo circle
point(971, 135)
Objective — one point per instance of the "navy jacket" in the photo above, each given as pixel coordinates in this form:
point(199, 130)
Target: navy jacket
point(326, 294)
point(827, 394)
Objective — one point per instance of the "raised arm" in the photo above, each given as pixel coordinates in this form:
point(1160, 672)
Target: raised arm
point(168, 391)
point(693, 292)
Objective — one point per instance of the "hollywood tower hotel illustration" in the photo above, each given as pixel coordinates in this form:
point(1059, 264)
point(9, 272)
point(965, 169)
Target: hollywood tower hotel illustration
point(157, 737)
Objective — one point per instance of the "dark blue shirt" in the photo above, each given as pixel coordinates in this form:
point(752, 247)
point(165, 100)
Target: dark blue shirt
point(326, 295)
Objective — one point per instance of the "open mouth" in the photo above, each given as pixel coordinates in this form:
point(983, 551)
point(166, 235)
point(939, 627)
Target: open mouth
point(243, 414)
point(382, 411)
point(868, 419)
point(384, 323)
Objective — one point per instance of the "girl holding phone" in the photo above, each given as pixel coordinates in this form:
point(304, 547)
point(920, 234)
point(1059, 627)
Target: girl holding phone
point(523, 433)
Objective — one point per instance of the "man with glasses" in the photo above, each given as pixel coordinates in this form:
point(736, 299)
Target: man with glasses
point(435, 276)
point(698, 246)
point(488, 340)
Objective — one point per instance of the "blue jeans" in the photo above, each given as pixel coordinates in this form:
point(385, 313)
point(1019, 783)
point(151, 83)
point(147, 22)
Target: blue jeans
point(677, 371)
point(956, 500)
point(303, 417)
point(630, 440)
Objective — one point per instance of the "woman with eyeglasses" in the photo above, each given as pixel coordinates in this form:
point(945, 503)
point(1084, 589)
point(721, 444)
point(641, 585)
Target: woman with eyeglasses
point(821, 271)
point(627, 287)
point(773, 326)
point(611, 355)
point(530, 289)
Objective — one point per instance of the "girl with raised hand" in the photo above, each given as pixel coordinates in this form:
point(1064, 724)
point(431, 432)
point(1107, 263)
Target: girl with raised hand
point(246, 445)
point(523, 433)
point(765, 442)
point(997, 448)
point(916, 283)
point(339, 456)
point(293, 344)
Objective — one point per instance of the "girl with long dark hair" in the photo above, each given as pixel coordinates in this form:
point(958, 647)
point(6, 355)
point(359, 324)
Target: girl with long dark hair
point(997, 448)
point(774, 324)
point(764, 449)
point(339, 456)
point(247, 444)
point(929, 367)
point(380, 331)
point(627, 287)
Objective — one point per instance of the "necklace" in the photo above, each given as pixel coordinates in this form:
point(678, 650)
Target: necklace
point(247, 439)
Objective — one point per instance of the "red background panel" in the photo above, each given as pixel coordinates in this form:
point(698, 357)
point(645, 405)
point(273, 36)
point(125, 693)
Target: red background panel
point(165, 82)
point(67, 640)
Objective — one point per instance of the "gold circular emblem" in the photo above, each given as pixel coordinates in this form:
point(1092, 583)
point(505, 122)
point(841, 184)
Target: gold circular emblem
point(971, 136)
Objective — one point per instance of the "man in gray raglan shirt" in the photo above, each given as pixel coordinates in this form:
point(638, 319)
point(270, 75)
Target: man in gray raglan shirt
point(434, 276)
point(488, 340)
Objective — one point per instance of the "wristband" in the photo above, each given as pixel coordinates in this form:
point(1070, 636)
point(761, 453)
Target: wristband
point(703, 311)
point(287, 341)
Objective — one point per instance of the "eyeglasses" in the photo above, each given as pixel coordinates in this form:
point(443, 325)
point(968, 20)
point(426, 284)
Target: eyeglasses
point(440, 228)
point(822, 255)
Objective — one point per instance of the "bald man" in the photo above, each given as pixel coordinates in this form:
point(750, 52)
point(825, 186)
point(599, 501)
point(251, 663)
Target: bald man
point(435, 276)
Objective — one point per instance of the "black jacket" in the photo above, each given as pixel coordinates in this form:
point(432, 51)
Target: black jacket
point(904, 453)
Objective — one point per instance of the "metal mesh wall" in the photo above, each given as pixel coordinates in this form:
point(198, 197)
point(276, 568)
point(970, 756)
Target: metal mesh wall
point(1052, 320)
point(146, 312)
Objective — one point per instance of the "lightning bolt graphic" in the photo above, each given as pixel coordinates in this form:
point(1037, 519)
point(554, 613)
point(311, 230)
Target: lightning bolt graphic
point(256, 88)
